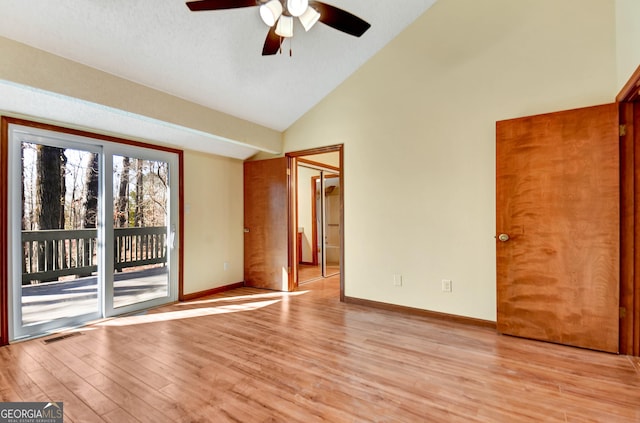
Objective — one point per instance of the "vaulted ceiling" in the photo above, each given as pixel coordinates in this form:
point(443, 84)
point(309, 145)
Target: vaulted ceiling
point(211, 58)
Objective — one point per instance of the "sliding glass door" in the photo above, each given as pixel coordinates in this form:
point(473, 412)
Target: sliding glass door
point(55, 238)
point(92, 229)
point(142, 230)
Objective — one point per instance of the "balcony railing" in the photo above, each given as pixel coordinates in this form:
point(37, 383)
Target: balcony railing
point(50, 254)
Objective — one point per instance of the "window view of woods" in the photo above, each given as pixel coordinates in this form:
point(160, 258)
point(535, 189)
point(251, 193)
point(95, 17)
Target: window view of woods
point(141, 197)
point(60, 201)
point(59, 194)
point(60, 188)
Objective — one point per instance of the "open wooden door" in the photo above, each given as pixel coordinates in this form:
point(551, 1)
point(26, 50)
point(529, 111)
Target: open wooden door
point(558, 223)
point(266, 220)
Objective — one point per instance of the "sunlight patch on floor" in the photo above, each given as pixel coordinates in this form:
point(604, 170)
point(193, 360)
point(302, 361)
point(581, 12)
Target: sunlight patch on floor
point(245, 297)
point(186, 314)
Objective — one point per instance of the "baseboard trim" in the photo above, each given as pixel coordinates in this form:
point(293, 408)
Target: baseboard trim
point(420, 312)
point(200, 294)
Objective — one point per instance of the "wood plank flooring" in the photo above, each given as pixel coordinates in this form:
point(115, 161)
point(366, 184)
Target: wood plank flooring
point(251, 355)
point(308, 273)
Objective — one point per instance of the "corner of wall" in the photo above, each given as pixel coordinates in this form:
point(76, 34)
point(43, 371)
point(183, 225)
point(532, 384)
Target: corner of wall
point(627, 39)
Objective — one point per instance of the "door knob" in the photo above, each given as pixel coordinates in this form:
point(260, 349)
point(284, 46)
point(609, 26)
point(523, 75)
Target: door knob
point(503, 237)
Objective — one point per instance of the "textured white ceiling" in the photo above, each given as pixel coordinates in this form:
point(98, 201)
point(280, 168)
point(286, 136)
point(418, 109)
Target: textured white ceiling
point(211, 58)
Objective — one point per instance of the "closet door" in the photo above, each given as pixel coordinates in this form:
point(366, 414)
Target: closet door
point(558, 220)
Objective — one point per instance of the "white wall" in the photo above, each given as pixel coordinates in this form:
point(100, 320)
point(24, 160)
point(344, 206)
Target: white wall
point(418, 127)
point(628, 38)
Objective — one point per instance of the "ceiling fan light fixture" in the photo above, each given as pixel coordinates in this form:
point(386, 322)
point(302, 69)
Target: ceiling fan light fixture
point(297, 7)
point(285, 26)
point(270, 12)
point(309, 18)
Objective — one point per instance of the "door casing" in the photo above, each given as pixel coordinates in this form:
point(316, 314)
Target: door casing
point(292, 239)
point(629, 109)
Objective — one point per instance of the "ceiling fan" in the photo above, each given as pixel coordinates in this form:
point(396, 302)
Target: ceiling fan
point(279, 14)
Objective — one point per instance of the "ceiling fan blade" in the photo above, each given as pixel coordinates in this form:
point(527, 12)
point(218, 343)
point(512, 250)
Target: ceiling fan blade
point(271, 43)
point(196, 6)
point(340, 19)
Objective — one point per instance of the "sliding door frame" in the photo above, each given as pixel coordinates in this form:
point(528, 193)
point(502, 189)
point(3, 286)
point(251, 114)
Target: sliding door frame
point(316, 234)
point(17, 328)
point(110, 151)
point(5, 277)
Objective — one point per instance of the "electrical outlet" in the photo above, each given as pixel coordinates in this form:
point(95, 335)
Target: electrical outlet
point(226, 265)
point(397, 280)
point(447, 286)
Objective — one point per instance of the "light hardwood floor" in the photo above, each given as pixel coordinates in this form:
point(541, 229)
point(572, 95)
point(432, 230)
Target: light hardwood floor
point(259, 356)
point(308, 273)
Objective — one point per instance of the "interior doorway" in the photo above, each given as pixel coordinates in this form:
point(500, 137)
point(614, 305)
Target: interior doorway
point(318, 217)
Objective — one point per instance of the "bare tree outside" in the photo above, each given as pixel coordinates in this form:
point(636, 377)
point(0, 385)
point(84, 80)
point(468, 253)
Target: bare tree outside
point(122, 202)
point(50, 192)
point(50, 187)
point(91, 187)
point(139, 194)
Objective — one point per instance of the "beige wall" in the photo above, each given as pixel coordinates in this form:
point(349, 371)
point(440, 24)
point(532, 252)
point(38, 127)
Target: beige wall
point(330, 159)
point(418, 124)
point(28, 66)
point(213, 221)
point(628, 38)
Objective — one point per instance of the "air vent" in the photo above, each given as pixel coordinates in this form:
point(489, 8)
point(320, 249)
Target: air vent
point(60, 337)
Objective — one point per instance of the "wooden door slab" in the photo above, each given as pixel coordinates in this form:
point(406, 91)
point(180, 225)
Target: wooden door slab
point(558, 201)
point(266, 251)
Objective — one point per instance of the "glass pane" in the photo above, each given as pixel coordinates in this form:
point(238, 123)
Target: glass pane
point(141, 200)
point(59, 235)
point(332, 224)
point(308, 230)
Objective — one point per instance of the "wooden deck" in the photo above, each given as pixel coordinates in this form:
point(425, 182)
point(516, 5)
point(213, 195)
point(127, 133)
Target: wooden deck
point(49, 301)
point(251, 355)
